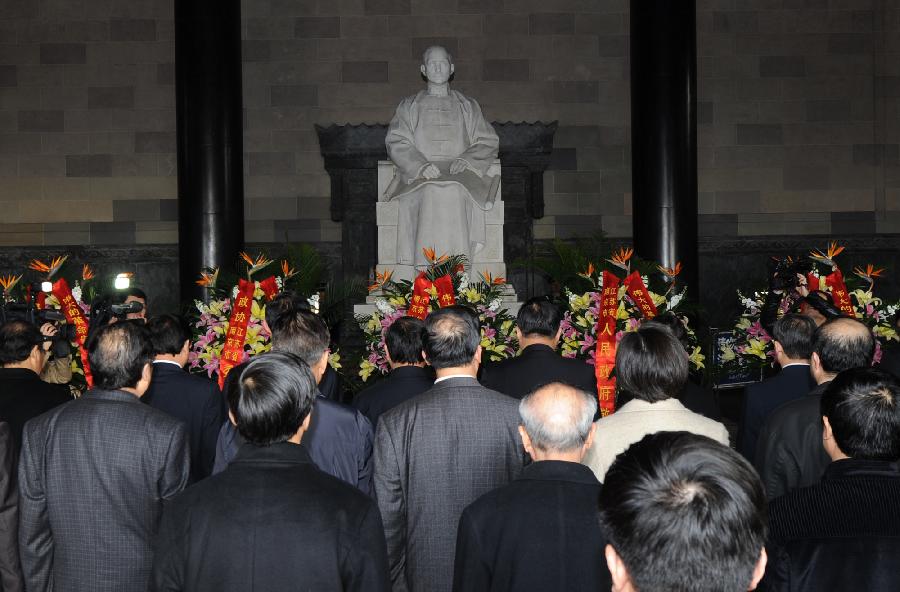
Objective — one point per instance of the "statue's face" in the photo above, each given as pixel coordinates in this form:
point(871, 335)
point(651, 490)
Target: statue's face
point(437, 67)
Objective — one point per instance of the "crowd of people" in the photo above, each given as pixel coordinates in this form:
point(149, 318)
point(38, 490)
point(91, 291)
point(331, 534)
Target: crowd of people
point(450, 473)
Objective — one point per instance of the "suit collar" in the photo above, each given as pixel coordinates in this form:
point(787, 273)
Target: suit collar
point(104, 395)
point(18, 374)
point(559, 470)
point(282, 452)
point(457, 381)
point(408, 372)
point(851, 468)
point(166, 365)
point(537, 349)
point(670, 404)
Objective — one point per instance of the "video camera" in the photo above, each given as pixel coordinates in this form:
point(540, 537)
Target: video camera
point(59, 343)
point(784, 272)
point(103, 310)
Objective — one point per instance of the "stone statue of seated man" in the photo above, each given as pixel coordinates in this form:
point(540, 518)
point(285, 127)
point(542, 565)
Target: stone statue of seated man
point(442, 147)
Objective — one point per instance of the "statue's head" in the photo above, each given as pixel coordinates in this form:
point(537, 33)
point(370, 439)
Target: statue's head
point(437, 65)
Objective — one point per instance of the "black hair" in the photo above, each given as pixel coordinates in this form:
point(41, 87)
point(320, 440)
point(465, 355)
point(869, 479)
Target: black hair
point(863, 407)
point(405, 340)
point(671, 321)
point(168, 334)
point(843, 343)
point(685, 513)
point(271, 397)
point(795, 334)
point(538, 316)
point(284, 303)
point(17, 339)
point(135, 293)
point(118, 353)
point(453, 336)
point(302, 333)
point(651, 364)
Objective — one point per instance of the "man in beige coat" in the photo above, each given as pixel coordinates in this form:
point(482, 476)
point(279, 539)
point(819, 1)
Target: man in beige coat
point(651, 369)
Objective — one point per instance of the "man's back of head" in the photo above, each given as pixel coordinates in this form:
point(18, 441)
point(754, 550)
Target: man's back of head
point(168, 334)
point(272, 398)
point(794, 333)
point(284, 303)
point(302, 333)
point(557, 422)
point(17, 342)
point(453, 337)
point(843, 343)
point(861, 407)
point(405, 340)
point(119, 356)
point(683, 513)
point(539, 319)
point(651, 364)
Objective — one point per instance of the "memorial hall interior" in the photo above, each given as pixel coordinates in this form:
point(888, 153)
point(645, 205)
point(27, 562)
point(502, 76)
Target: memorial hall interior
point(797, 109)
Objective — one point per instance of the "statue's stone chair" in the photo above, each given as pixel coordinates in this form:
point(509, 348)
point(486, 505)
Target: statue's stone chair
point(489, 259)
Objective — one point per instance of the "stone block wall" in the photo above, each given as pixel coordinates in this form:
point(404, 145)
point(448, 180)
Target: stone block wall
point(798, 109)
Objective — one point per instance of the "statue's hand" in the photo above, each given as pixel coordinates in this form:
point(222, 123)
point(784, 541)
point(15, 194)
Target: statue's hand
point(458, 166)
point(431, 172)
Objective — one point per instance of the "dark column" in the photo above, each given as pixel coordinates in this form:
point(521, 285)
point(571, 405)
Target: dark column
point(210, 137)
point(664, 133)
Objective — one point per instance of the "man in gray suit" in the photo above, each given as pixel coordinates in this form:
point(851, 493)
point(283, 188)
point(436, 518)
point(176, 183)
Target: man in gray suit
point(94, 473)
point(438, 452)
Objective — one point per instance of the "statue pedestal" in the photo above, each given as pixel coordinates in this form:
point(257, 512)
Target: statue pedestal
point(488, 259)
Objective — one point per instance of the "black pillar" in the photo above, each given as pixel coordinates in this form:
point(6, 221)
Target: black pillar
point(210, 137)
point(664, 133)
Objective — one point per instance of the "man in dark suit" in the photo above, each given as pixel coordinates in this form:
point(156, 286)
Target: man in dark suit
point(843, 534)
point(789, 452)
point(538, 332)
point(193, 399)
point(683, 512)
point(94, 473)
point(339, 439)
point(10, 572)
point(409, 376)
point(23, 395)
point(438, 452)
point(271, 521)
point(541, 532)
point(793, 338)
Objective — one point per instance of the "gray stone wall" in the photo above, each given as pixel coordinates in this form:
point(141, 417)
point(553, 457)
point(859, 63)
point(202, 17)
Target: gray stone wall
point(798, 110)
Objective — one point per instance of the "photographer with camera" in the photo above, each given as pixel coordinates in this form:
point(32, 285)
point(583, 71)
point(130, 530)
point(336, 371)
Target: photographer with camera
point(23, 353)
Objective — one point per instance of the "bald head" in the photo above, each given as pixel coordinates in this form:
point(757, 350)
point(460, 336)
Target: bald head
point(843, 343)
point(557, 419)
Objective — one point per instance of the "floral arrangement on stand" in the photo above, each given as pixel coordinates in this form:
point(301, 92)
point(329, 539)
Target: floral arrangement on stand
point(579, 324)
point(854, 295)
point(443, 282)
point(229, 328)
point(70, 296)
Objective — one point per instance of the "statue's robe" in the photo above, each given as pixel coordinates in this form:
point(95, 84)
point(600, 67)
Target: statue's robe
point(446, 213)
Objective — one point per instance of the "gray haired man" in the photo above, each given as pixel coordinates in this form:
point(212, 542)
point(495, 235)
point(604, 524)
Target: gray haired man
point(540, 532)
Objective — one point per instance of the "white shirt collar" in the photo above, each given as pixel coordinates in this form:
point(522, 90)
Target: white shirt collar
point(167, 362)
point(443, 378)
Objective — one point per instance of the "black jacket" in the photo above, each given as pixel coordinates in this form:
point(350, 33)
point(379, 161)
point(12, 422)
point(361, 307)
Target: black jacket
point(761, 399)
point(537, 365)
point(24, 395)
point(402, 384)
point(339, 442)
point(700, 400)
point(271, 521)
point(10, 573)
point(197, 402)
point(789, 453)
point(841, 535)
point(541, 532)
point(93, 476)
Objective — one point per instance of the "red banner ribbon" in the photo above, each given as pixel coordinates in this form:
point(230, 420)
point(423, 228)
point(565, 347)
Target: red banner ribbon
point(605, 358)
point(812, 282)
point(639, 295)
point(835, 281)
point(421, 298)
point(236, 334)
point(74, 316)
point(269, 287)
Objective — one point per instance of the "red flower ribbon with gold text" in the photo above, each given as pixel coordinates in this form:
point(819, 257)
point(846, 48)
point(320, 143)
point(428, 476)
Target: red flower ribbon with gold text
point(233, 351)
point(605, 358)
point(74, 316)
point(418, 306)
